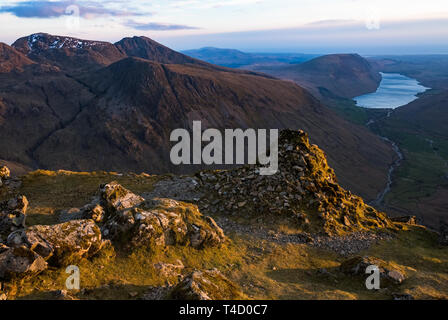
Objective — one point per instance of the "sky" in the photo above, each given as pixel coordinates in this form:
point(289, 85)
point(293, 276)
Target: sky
point(307, 26)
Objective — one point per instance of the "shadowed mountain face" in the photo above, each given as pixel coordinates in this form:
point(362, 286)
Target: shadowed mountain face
point(146, 48)
point(118, 114)
point(338, 75)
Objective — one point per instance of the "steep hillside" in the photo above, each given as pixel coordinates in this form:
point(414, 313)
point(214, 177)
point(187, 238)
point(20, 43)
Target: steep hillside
point(11, 59)
point(343, 75)
point(161, 98)
point(146, 48)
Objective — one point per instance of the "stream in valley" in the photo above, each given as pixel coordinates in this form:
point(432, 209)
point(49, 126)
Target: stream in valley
point(395, 90)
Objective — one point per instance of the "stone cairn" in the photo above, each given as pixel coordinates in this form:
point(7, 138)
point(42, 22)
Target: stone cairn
point(304, 189)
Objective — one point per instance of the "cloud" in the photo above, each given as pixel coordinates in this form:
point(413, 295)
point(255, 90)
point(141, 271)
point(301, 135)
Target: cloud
point(157, 26)
point(55, 9)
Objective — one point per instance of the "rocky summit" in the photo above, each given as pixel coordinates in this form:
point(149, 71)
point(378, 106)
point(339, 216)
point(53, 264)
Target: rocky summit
point(304, 189)
point(216, 234)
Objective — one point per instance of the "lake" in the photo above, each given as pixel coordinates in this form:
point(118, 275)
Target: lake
point(395, 90)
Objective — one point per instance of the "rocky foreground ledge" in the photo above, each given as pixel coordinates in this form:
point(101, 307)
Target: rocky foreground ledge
point(303, 197)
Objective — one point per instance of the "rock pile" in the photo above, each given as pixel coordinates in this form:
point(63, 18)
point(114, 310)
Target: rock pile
point(25, 252)
point(30, 251)
point(127, 218)
point(305, 189)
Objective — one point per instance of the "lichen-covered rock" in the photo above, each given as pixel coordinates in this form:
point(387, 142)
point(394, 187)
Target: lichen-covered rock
point(128, 219)
point(12, 215)
point(358, 265)
point(116, 198)
point(163, 222)
point(5, 173)
point(205, 285)
point(168, 270)
point(61, 244)
point(112, 198)
point(20, 262)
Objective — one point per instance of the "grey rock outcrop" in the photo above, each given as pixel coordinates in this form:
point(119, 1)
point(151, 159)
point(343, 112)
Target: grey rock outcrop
point(61, 244)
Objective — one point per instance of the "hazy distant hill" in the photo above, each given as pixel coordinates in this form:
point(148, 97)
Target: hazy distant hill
point(337, 75)
point(237, 59)
point(430, 70)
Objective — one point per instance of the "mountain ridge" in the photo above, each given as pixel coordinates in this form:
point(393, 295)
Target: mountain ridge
point(118, 115)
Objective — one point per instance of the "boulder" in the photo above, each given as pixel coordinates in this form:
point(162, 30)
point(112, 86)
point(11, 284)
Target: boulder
point(127, 218)
point(205, 285)
point(358, 265)
point(61, 244)
point(20, 262)
point(12, 215)
point(168, 270)
point(5, 173)
point(115, 197)
point(163, 222)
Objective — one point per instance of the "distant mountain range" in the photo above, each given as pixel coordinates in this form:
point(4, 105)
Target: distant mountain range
point(73, 104)
point(237, 59)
